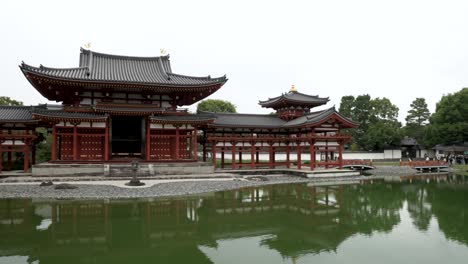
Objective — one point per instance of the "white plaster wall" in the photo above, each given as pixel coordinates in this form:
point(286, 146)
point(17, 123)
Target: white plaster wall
point(387, 154)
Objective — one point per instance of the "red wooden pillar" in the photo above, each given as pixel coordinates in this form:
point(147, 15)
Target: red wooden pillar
point(326, 154)
point(273, 157)
point(233, 150)
point(1, 157)
point(106, 141)
point(26, 156)
point(312, 154)
point(53, 154)
point(288, 162)
point(240, 154)
point(204, 147)
point(252, 154)
point(195, 144)
point(299, 162)
point(9, 158)
point(222, 157)
point(177, 142)
point(75, 142)
point(340, 159)
point(148, 140)
point(213, 150)
point(270, 151)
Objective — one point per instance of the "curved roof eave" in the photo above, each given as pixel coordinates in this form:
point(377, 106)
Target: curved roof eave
point(142, 84)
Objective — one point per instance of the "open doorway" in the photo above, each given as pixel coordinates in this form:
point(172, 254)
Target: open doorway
point(126, 139)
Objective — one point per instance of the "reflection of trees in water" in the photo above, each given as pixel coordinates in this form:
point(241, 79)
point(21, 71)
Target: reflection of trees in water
point(291, 219)
point(419, 208)
point(450, 207)
point(373, 207)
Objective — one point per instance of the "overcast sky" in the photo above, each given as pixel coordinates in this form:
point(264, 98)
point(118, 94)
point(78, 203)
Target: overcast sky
point(395, 49)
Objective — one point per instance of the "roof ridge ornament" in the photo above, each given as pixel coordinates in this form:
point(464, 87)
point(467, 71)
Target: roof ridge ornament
point(293, 89)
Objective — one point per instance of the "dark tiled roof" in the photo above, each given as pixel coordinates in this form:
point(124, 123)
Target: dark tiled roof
point(99, 67)
point(455, 147)
point(273, 121)
point(317, 117)
point(294, 98)
point(67, 115)
point(15, 114)
point(188, 118)
point(247, 120)
point(408, 141)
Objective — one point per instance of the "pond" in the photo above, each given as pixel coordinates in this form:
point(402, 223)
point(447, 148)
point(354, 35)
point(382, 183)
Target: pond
point(422, 221)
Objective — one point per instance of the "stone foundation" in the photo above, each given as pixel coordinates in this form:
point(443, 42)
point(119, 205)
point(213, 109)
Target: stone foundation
point(122, 169)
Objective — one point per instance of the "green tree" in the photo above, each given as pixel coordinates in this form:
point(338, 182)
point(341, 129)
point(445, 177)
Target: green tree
point(43, 148)
point(216, 106)
point(416, 120)
point(5, 100)
point(377, 118)
point(419, 113)
point(449, 123)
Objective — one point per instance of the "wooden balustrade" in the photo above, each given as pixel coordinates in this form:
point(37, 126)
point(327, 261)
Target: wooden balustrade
point(423, 163)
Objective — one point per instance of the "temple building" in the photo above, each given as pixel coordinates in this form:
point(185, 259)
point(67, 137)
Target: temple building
point(118, 108)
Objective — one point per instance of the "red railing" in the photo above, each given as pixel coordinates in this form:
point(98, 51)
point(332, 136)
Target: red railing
point(423, 163)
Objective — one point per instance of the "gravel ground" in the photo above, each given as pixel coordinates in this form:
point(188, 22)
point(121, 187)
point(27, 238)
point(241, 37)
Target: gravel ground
point(89, 191)
point(167, 189)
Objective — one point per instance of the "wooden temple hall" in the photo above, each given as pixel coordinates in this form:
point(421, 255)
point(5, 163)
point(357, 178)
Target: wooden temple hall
point(115, 109)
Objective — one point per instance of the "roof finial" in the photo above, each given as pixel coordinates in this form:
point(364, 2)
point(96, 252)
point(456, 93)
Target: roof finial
point(293, 89)
point(162, 51)
point(88, 45)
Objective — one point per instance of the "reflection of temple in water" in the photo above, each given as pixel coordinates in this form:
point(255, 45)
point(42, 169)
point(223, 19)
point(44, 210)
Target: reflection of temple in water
point(292, 219)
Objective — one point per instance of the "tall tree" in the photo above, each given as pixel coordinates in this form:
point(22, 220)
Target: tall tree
point(449, 123)
point(419, 113)
point(216, 106)
point(377, 118)
point(5, 100)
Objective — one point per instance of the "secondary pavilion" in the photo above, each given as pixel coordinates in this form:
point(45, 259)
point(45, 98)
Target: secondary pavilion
point(293, 130)
point(119, 108)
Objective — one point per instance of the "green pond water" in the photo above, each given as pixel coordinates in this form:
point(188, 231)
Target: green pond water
point(423, 221)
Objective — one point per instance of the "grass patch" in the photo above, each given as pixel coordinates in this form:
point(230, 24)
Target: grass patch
point(461, 169)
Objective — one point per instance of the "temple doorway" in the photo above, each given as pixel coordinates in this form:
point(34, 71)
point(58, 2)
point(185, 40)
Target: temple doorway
point(126, 136)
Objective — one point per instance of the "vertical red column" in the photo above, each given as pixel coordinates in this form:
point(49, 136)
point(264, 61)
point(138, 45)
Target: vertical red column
point(312, 155)
point(299, 162)
point(240, 153)
point(222, 156)
point(148, 140)
point(53, 154)
point(213, 150)
point(195, 144)
point(233, 150)
point(270, 151)
point(326, 154)
point(177, 143)
point(252, 154)
point(106, 141)
point(1, 157)
point(75, 142)
point(26, 155)
point(340, 159)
